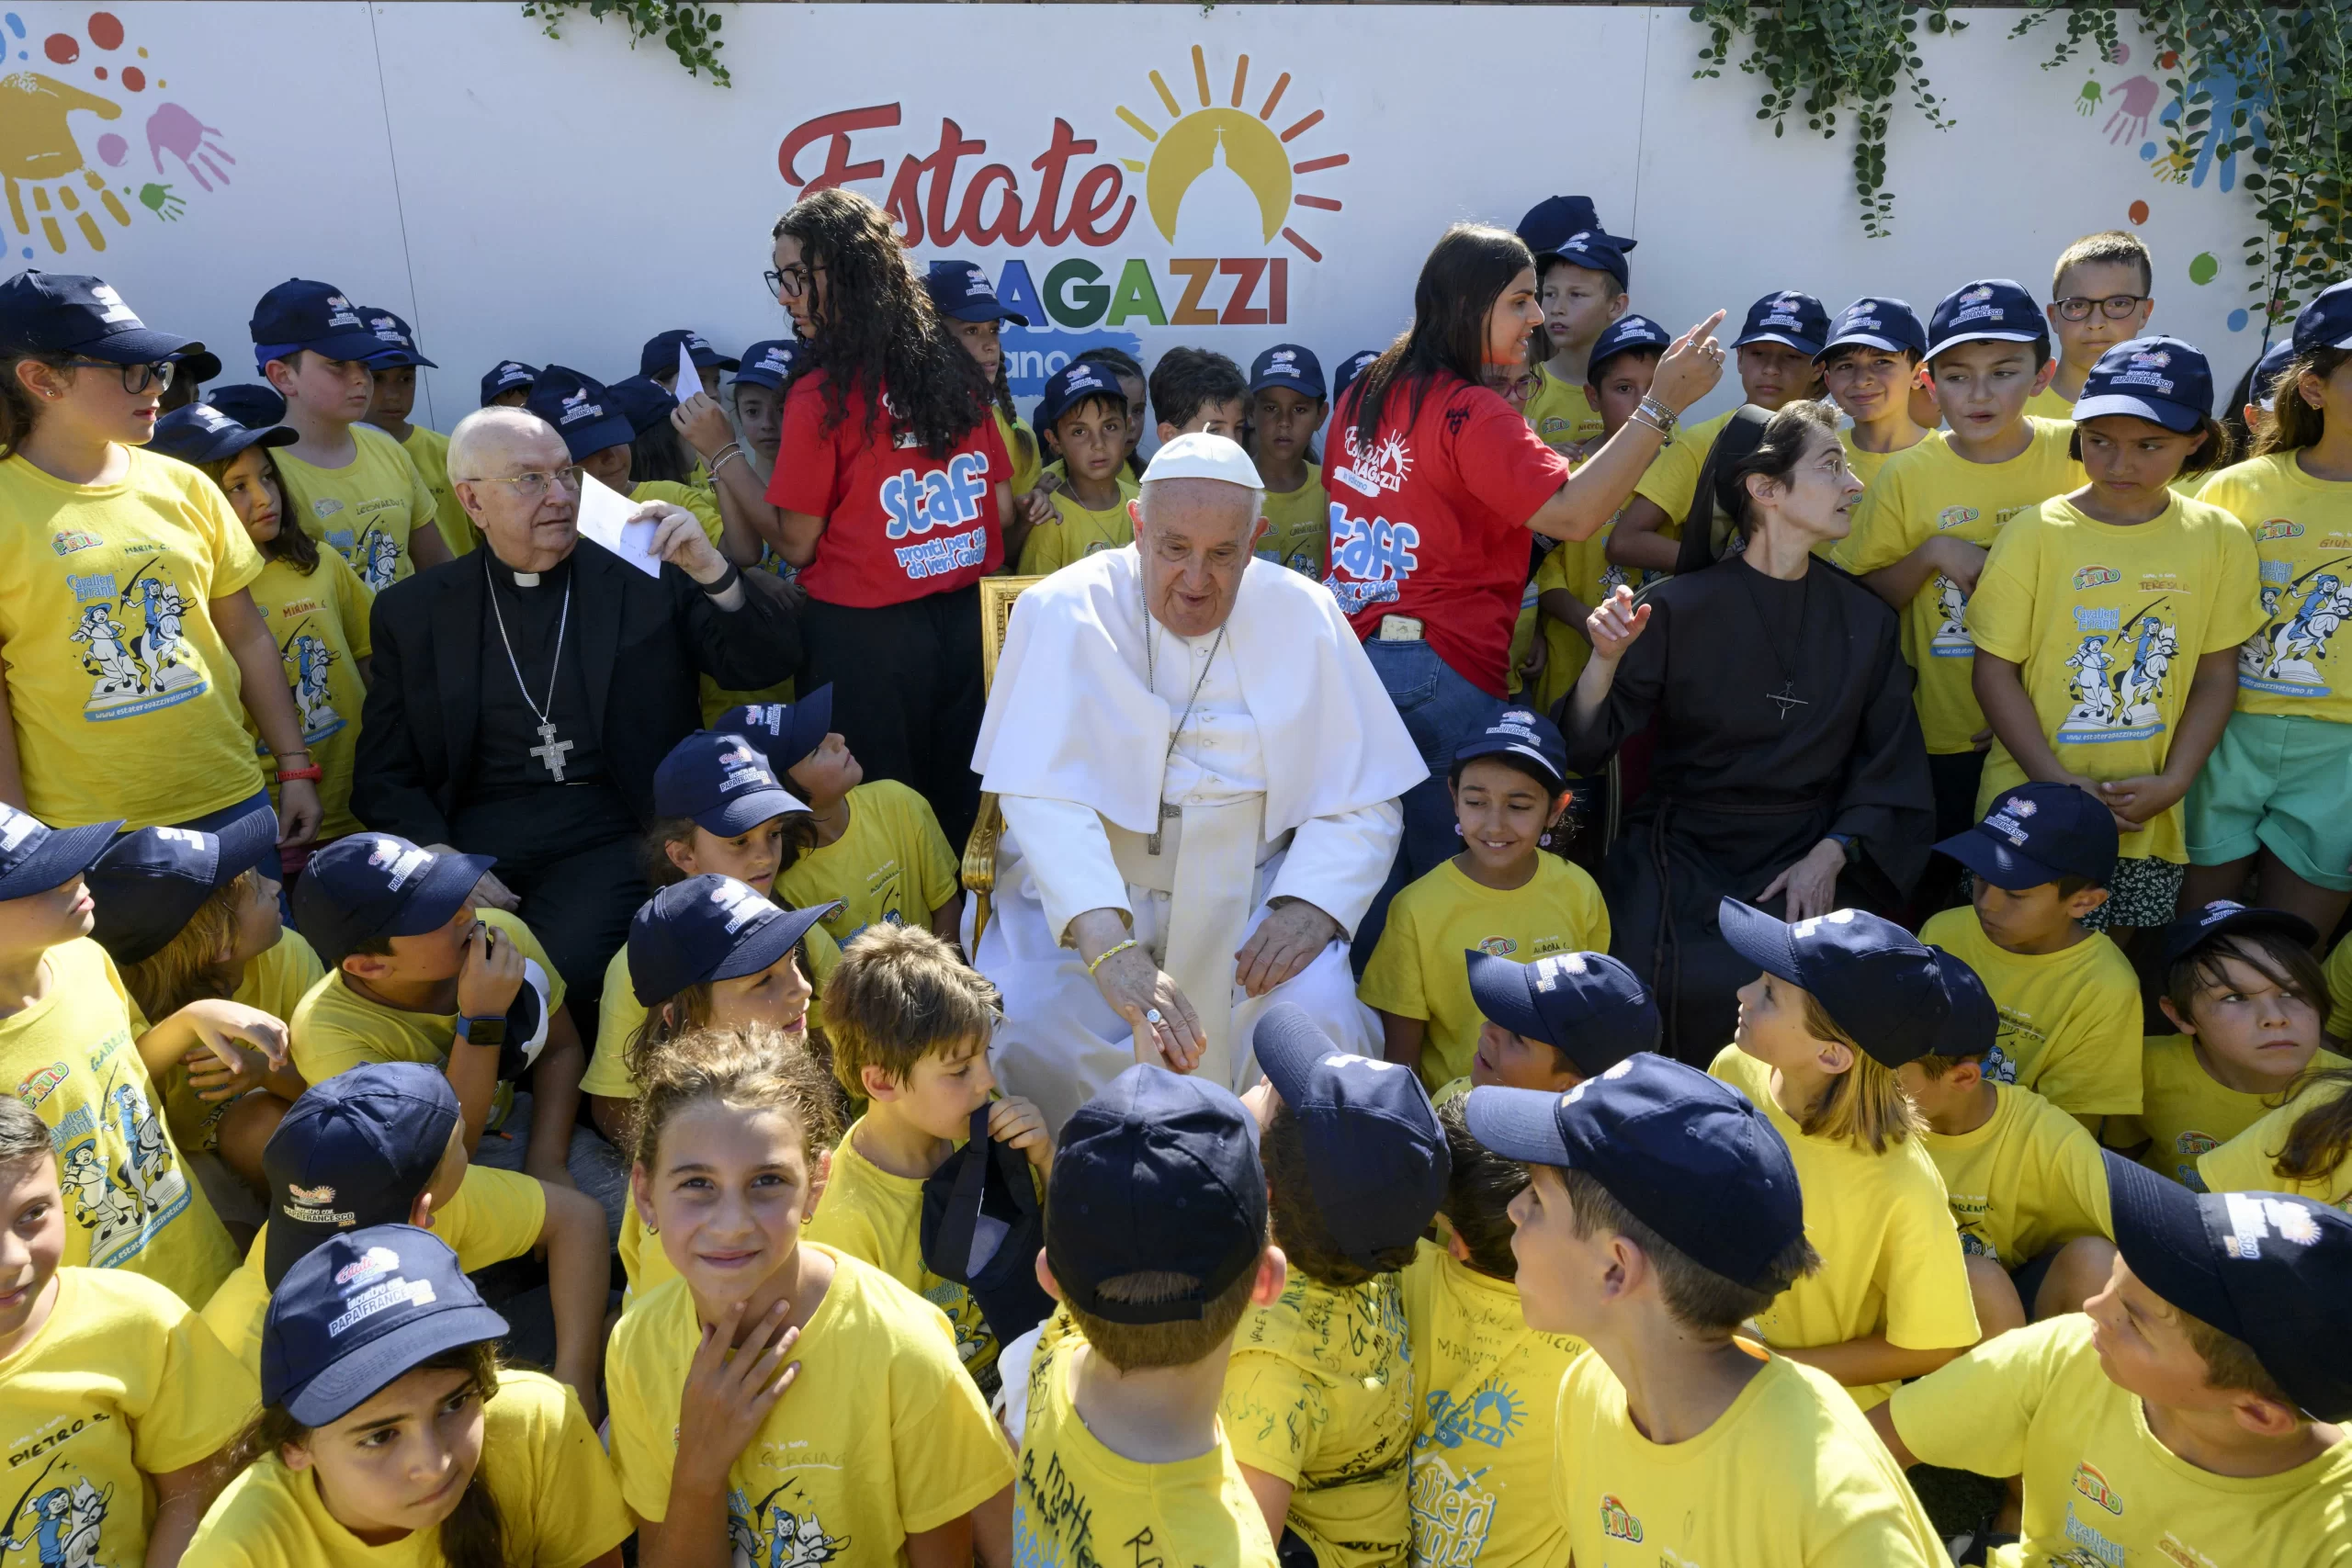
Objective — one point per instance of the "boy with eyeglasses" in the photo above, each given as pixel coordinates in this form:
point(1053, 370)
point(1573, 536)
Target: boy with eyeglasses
point(2099, 296)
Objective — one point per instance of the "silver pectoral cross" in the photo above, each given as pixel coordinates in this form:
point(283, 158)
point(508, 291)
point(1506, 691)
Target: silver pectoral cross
point(1153, 841)
point(1787, 697)
point(551, 751)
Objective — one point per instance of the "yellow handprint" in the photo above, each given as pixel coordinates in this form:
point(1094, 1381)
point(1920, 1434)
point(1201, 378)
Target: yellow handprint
point(36, 144)
point(2173, 168)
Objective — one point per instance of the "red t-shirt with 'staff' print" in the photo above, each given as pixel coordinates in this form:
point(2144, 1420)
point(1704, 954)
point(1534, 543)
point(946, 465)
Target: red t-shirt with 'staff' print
point(900, 524)
point(1431, 520)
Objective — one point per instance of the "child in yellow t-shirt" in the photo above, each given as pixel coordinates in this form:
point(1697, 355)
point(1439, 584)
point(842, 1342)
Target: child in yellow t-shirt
point(1844, 1001)
point(2098, 298)
point(1319, 1397)
point(1156, 1245)
point(2069, 1001)
point(879, 848)
point(2108, 622)
point(910, 1027)
point(118, 1398)
point(2275, 798)
point(1581, 276)
point(1871, 366)
point(2304, 1147)
point(2193, 1411)
point(2243, 988)
point(1485, 1384)
point(1503, 895)
point(1662, 1213)
point(1287, 406)
point(389, 403)
point(831, 1356)
point(380, 1366)
point(1198, 389)
point(349, 483)
point(1083, 413)
point(1554, 1022)
point(1921, 529)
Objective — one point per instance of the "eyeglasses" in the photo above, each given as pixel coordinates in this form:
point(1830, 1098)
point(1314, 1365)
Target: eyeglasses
point(791, 282)
point(2115, 307)
point(136, 379)
point(535, 484)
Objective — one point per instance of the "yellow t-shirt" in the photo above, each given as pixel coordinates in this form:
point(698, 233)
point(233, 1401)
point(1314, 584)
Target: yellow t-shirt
point(2099, 1488)
point(1078, 533)
point(1929, 492)
point(2070, 1019)
point(1890, 1261)
point(2186, 1113)
point(2302, 529)
point(1866, 463)
point(620, 1015)
point(1671, 482)
point(493, 1216)
point(1020, 446)
point(320, 623)
point(1319, 1394)
point(1298, 527)
point(2248, 1163)
point(1562, 414)
point(890, 863)
point(2109, 624)
point(1789, 1476)
point(121, 1382)
point(694, 498)
point(2050, 403)
point(275, 983)
point(123, 696)
point(881, 1437)
point(1418, 970)
point(1583, 568)
point(335, 1029)
point(368, 509)
point(1078, 1505)
point(1485, 1396)
point(558, 1503)
point(429, 450)
point(2026, 1181)
point(129, 1201)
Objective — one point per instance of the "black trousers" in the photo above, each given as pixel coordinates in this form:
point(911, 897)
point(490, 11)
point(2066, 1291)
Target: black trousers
point(907, 694)
point(571, 854)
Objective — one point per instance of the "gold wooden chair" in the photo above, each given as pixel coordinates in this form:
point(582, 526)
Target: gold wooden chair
point(996, 594)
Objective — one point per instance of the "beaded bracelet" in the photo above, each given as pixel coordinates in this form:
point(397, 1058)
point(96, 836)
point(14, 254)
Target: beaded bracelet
point(1100, 957)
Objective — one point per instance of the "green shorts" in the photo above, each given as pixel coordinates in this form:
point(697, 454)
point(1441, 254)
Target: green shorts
point(2282, 783)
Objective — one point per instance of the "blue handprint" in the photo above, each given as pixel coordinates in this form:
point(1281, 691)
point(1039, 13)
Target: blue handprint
point(2228, 94)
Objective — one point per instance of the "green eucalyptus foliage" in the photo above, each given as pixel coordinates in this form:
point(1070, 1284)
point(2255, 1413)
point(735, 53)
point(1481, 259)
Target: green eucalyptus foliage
point(689, 29)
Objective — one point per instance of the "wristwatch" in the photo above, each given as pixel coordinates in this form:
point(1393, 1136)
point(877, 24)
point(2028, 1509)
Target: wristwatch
point(490, 1032)
point(1845, 843)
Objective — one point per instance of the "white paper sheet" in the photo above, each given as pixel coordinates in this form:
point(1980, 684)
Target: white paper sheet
point(689, 377)
point(604, 516)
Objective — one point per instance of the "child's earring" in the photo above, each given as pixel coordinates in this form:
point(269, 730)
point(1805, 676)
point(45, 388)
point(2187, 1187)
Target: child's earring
point(1544, 839)
point(1457, 829)
point(652, 1229)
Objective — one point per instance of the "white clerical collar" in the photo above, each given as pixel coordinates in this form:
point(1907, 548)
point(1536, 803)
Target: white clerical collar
point(526, 579)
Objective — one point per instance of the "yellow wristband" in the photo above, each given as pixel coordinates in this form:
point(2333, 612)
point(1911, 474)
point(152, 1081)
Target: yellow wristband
point(1099, 958)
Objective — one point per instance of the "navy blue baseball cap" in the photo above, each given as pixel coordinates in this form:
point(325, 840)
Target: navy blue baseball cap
point(660, 355)
point(1073, 384)
point(1973, 1024)
point(1687, 1155)
point(2264, 389)
point(1376, 1159)
point(1624, 335)
point(1287, 365)
point(2221, 918)
point(786, 731)
point(2038, 832)
point(360, 1311)
point(1992, 309)
point(962, 293)
point(371, 886)
point(302, 313)
point(1595, 252)
point(2271, 1271)
point(202, 433)
point(1876, 981)
point(643, 401)
point(709, 928)
point(1354, 365)
point(254, 404)
point(150, 884)
point(1585, 1005)
point(1873, 323)
point(1790, 317)
point(70, 312)
point(506, 376)
point(1549, 225)
point(2157, 378)
point(1157, 1173)
point(1527, 735)
point(769, 362)
point(581, 409)
point(2326, 322)
point(722, 782)
point(36, 857)
point(354, 1151)
point(399, 338)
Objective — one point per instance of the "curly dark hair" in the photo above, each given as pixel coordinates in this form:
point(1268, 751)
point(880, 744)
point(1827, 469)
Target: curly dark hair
point(876, 327)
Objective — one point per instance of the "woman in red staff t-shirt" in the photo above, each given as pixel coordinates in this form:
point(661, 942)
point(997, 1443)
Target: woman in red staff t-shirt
point(1435, 482)
point(892, 493)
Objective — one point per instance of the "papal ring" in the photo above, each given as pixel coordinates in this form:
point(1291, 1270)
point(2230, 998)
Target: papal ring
point(1151, 1015)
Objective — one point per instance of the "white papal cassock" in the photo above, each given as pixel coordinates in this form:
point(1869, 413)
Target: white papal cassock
point(1283, 784)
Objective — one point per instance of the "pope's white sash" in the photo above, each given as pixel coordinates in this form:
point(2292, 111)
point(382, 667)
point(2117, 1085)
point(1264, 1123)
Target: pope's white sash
point(1208, 867)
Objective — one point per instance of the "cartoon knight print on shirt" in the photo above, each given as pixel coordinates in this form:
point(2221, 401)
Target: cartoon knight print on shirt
point(308, 658)
point(133, 642)
point(1951, 640)
point(59, 1525)
point(2121, 670)
point(2288, 656)
point(781, 1530)
point(122, 1180)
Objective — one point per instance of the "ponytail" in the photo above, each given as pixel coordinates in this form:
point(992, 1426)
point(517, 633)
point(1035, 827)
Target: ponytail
point(2294, 424)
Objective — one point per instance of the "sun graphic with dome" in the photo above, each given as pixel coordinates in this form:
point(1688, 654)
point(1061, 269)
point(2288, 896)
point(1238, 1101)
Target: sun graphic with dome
point(1230, 155)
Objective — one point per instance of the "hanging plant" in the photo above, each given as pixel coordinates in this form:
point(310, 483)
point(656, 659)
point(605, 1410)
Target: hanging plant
point(2258, 94)
point(1822, 58)
point(688, 28)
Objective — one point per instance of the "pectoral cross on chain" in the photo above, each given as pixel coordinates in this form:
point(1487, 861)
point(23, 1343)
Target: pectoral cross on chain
point(1153, 841)
point(552, 751)
point(1787, 697)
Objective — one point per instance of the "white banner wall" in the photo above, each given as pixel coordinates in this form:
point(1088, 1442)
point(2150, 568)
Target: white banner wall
point(1142, 174)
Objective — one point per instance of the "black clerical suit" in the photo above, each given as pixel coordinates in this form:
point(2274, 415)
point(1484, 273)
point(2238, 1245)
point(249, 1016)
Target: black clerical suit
point(449, 746)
